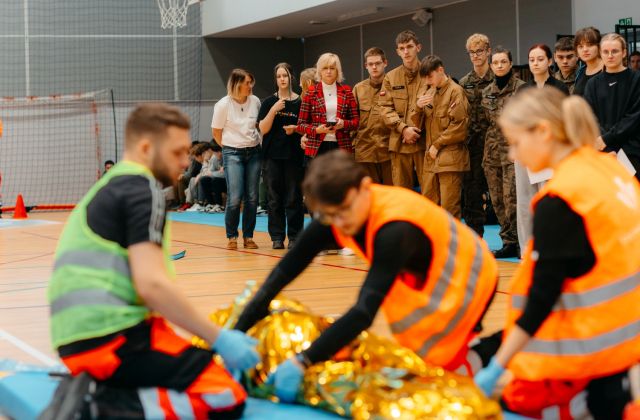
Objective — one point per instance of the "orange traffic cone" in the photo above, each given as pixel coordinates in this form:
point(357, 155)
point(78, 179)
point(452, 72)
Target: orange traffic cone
point(20, 212)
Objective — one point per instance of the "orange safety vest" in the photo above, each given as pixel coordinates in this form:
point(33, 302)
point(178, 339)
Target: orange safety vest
point(436, 321)
point(594, 328)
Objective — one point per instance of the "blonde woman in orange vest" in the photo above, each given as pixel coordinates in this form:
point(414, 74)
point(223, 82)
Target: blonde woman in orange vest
point(431, 275)
point(573, 327)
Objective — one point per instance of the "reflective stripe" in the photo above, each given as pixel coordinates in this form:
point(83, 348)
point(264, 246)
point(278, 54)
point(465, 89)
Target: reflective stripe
point(224, 399)
point(400, 326)
point(476, 268)
point(588, 298)
point(95, 259)
point(150, 403)
point(181, 404)
point(584, 346)
point(86, 297)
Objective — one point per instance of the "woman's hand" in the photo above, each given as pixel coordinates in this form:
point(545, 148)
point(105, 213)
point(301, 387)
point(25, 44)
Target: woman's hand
point(303, 142)
point(339, 124)
point(278, 106)
point(290, 129)
point(323, 129)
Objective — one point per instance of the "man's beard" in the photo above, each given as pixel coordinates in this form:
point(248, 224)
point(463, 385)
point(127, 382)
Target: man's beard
point(161, 172)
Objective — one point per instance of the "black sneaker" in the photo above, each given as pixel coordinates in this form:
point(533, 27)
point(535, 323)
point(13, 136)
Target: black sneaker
point(508, 251)
point(278, 244)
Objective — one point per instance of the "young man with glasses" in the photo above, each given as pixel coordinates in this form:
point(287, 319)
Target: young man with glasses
point(474, 183)
point(567, 62)
point(371, 142)
point(431, 275)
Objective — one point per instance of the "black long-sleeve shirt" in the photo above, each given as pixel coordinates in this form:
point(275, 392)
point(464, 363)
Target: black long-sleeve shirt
point(564, 252)
point(397, 247)
point(615, 100)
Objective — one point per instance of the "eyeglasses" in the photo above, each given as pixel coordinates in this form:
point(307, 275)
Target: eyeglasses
point(340, 213)
point(477, 52)
point(610, 52)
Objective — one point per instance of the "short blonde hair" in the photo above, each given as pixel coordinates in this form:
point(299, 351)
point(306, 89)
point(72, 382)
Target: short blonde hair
point(571, 118)
point(615, 37)
point(476, 39)
point(328, 59)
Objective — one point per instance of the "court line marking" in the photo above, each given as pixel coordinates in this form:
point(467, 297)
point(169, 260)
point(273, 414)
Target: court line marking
point(28, 349)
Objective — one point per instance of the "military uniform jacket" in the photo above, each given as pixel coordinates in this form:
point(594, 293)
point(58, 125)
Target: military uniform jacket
point(398, 105)
point(496, 149)
point(473, 86)
point(371, 140)
point(569, 82)
point(446, 127)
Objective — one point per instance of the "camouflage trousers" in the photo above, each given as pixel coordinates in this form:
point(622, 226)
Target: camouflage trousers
point(502, 190)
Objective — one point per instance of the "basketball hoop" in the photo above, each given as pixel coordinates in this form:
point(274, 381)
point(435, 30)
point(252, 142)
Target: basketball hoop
point(173, 13)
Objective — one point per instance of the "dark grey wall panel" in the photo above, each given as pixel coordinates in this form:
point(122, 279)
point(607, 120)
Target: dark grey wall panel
point(344, 43)
point(12, 79)
point(540, 21)
point(258, 56)
point(452, 26)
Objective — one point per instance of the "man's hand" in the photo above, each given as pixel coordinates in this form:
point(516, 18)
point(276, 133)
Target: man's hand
point(433, 152)
point(426, 99)
point(287, 379)
point(410, 135)
point(488, 377)
point(237, 349)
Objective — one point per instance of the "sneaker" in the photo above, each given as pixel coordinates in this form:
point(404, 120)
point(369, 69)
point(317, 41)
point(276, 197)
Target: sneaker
point(233, 243)
point(217, 208)
point(278, 244)
point(508, 251)
point(261, 211)
point(184, 207)
point(249, 244)
point(195, 207)
point(208, 208)
point(346, 252)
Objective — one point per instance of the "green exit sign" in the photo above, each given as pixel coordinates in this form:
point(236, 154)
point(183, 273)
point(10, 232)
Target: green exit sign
point(625, 21)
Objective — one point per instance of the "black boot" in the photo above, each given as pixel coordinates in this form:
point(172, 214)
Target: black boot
point(508, 251)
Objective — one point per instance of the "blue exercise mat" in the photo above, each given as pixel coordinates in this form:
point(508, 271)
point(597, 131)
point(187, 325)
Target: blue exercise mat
point(491, 232)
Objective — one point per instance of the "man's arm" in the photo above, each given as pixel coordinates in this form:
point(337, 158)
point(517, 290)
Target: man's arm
point(458, 112)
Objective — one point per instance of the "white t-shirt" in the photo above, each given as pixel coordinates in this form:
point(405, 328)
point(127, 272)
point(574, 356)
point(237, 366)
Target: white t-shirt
point(237, 121)
point(330, 93)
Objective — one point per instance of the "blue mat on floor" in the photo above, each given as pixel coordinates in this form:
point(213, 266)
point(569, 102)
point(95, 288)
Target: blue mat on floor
point(491, 235)
point(24, 395)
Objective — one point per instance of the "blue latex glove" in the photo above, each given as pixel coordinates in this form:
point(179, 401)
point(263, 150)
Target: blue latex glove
point(237, 349)
point(287, 379)
point(488, 377)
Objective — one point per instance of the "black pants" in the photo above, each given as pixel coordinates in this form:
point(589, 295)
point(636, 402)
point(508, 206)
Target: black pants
point(635, 161)
point(210, 189)
point(474, 185)
point(283, 179)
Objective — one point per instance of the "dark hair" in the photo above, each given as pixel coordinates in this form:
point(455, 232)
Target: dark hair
point(153, 120)
point(330, 177)
point(429, 64)
point(501, 50)
point(215, 146)
point(564, 44)
point(200, 148)
point(373, 51)
point(543, 47)
point(590, 35)
point(287, 67)
point(109, 162)
point(634, 53)
point(236, 77)
point(407, 36)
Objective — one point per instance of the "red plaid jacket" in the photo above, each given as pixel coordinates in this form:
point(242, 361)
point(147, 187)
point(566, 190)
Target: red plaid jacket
point(314, 113)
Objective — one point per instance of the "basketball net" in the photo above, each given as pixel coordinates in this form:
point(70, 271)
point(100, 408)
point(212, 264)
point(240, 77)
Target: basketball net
point(173, 13)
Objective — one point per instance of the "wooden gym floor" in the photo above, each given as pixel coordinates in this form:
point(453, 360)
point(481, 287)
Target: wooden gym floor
point(210, 275)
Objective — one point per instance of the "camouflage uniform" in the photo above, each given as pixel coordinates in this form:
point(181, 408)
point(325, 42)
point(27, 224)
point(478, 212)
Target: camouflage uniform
point(371, 142)
point(570, 81)
point(498, 168)
point(474, 184)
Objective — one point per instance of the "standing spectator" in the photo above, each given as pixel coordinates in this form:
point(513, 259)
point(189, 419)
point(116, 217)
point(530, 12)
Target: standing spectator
point(540, 60)
point(234, 127)
point(283, 159)
point(398, 105)
point(371, 141)
point(447, 117)
point(634, 61)
point(587, 44)
point(566, 61)
point(498, 168)
point(212, 183)
point(614, 96)
point(329, 111)
point(474, 183)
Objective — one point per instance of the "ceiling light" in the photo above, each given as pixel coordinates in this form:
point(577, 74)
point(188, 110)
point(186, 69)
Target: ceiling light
point(359, 13)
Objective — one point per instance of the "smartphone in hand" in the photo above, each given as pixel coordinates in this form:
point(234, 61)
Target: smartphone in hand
point(331, 123)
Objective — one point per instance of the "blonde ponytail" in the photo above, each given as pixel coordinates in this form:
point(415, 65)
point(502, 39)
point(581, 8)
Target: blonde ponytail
point(571, 119)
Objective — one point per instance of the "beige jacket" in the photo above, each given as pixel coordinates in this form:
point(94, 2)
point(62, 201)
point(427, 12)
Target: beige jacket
point(371, 142)
point(398, 106)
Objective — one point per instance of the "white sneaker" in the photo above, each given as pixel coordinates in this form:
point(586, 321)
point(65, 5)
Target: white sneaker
point(346, 251)
point(195, 207)
point(215, 208)
point(209, 208)
point(260, 211)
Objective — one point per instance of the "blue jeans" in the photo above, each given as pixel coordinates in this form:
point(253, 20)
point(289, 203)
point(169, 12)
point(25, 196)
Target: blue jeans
point(242, 172)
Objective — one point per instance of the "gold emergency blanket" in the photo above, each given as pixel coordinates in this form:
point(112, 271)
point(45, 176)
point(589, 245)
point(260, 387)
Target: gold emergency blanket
point(372, 378)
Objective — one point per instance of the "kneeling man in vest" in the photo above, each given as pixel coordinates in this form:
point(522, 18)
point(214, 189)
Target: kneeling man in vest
point(432, 276)
point(111, 289)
